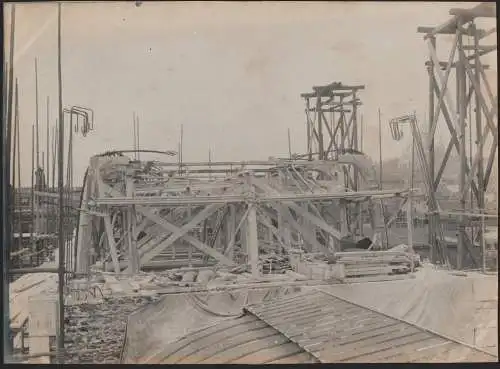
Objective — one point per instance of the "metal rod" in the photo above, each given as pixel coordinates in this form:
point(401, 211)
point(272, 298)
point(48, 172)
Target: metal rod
point(138, 139)
point(16, 118)
point(181, 146)
point(60, 335)
point(380, 148)
point(289, 145)
point(32, 195)
point(6, 224)
point(135, 136)
point(36, 115)
point(54, 154)
point(48, 144)
point(209, 163)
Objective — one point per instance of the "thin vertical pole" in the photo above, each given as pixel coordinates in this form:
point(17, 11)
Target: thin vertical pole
point(48, 144)
point(14, 152)
point(209, 165)
point(138, 138)
point(289, 145)
point(309, 134)
point(380, 148)
point(135, 136)
point(10, 88)
point(181, 145)
point(409, 214)
point(15, 156)
point(7, 222)
point(36, 115)
point(54, 154)
point(19, 240)
point(179, 157)
point(431, 217)
point(361, 133)
point(60, 336)
point(483, 245)
point(32, 187)
point(322, 155)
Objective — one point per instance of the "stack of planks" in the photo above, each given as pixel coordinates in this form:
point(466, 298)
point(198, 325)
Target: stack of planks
point(22, 291)
point(375, 263)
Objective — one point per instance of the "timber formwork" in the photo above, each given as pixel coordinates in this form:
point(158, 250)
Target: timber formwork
point(137, 214)
point(468, 110)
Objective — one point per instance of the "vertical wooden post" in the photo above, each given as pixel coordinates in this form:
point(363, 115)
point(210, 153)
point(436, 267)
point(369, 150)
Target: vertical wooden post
point(461, 100)
point(133, 256)
point(252, 241)
point(231, 224)
point(431, 225)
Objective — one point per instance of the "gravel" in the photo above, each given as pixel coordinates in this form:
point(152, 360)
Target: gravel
point(94, 333)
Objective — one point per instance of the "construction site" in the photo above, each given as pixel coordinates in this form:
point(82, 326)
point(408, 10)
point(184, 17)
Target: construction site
point(308, 258)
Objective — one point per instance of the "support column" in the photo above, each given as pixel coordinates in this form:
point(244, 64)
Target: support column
point(252, 242)
point(344, 228)
point(479, 137)
point(461, 102)
point(231, 225)
point(133, 256)
point(431, 225)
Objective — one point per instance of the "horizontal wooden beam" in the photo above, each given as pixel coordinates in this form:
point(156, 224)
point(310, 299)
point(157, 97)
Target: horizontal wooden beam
point(444, 65)
point(450, 29)
point(483, 10)
point(338, 87)
point(488, 32)
point(487, 48)
point(309, 95)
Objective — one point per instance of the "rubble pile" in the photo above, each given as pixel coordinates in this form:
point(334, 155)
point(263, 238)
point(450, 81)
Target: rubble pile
point(275, 264)
point(94, 333)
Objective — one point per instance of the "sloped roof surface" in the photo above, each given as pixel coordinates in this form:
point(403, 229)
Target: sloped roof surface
point(334, 330)
point(312, 326)
point(244, 340)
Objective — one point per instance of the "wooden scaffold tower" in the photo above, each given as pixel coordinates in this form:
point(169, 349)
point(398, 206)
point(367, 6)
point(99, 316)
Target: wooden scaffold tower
point(468, 110)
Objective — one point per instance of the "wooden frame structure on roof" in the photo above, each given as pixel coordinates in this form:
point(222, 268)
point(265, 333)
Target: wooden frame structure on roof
point(468, 110)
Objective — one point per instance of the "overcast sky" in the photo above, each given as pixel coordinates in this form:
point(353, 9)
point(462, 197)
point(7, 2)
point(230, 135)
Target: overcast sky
point(231, 73)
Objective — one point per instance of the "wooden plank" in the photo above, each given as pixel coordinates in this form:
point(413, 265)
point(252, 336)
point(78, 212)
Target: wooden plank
point(39, 345)
point(378, 278)
point(187, 354)
point(210, 354)
point(368, 271)
point(351, 351)
point(347, 323)
point(288, 309)
point(300, 358)
point(280, 302)
point(309, 333)
point(166, 352)
point(111, 243)
point(316, 327)
point(336, 333)
point(418, 351)
point(257, 353)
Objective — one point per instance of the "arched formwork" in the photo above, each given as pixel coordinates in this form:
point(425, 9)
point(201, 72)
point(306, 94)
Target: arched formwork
point(138, 215)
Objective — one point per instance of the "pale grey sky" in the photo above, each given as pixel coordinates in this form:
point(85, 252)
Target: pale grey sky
point(231, 73)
